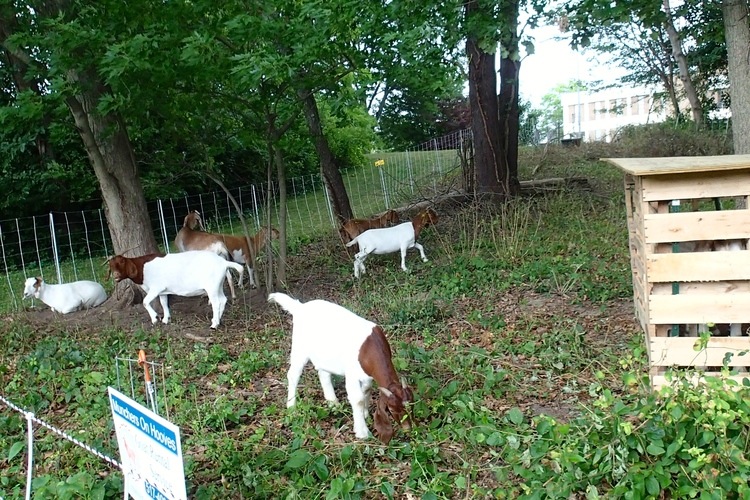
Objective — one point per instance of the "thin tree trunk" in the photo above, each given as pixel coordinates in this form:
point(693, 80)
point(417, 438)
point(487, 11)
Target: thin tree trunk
point(737, 33)
point(682, 65)
point(270, 284)
point(510, 68)
point(281, 177)
point(328, 166)
point(20, 64)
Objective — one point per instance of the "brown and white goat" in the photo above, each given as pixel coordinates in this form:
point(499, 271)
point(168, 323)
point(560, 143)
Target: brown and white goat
point(392, 239)
point(187, 274)
point(129, 267)
point(338, 342)
point(192, 237)
point(352, 228)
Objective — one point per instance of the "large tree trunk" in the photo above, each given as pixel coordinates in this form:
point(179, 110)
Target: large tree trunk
point(489, 156)
point(108, 147)
point(510, 68)
point(342, 208)
point(737, 33)
point(682, 65)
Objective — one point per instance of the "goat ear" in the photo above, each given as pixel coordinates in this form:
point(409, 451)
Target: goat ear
point(383, 425)
point(131, 269)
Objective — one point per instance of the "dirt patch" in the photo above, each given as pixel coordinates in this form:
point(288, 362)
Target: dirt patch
point(191, 316)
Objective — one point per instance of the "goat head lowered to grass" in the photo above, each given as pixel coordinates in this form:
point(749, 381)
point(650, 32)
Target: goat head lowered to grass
point(338, 342)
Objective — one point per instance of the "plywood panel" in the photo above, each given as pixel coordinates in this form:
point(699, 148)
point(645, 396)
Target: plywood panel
point(699, 308)
point(680, 351)
point(696, 226)
point(696, 185)
point(680, 164)
point(699, 266)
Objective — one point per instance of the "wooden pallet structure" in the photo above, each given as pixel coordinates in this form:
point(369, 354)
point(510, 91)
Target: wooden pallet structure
point(690, 259)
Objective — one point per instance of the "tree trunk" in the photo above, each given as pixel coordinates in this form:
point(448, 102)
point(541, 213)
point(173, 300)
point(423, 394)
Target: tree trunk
point(682, 65)
point(342, 208)
point(278, 159)
point(510, 67)
point(489, 157)
point(108, 147)
point(19, 64)
point(737, 33)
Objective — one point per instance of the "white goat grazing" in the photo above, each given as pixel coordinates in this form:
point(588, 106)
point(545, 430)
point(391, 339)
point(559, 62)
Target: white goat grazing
point(187, 274)
point(392, 239)
point(339, 342)
point(65, 297)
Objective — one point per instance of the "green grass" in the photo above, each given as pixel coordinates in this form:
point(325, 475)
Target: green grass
point(403, 177)
point(517, 336)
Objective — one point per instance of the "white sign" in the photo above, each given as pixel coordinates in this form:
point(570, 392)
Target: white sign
point(150, 451)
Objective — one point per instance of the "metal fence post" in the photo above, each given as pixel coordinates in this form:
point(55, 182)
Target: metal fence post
point(55, 253)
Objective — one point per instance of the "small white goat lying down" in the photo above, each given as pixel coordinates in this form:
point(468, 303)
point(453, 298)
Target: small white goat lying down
point(186, 273)
point(392, 239)
point(339, 342)
point(65, 297)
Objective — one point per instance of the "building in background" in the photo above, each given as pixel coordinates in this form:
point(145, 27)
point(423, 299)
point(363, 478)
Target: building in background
point(598, 116)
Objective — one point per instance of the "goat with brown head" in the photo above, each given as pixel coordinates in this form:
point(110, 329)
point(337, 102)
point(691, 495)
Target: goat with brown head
point(392, 239)
point(339, 342)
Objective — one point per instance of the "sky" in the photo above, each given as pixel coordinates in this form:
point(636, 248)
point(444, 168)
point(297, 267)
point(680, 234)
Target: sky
point(554, 62)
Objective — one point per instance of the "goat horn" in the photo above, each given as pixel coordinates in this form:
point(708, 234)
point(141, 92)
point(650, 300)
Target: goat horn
point(386, 392)
point(403, 382)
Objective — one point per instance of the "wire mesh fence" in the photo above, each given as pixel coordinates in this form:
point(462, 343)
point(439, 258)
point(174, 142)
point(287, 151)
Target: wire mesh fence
point(61, 247)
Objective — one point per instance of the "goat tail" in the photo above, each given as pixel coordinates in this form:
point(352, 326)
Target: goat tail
point(286, 302)
point(353, 242)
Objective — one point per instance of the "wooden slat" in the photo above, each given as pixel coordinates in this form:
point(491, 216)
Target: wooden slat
point(680, 351)
point(704, 288)
point(698, 266)
point(694, 308)
point(697, 226)
point(659, 381)
point(696, 185)
point(680, 164)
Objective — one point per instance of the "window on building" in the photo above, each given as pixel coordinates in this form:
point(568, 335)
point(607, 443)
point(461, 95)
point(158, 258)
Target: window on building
point(572, 113)
point(592, 111)
point(635, 104)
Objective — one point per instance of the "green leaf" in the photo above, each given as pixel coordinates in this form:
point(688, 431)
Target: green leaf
point(298, 459)
point(15, 449)
point(672, 448)
point(652, 486)
point(515, 415)
point(655, 448)
point(387, 489)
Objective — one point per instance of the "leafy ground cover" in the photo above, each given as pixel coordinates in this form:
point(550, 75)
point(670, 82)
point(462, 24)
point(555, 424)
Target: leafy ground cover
point(518, 337)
